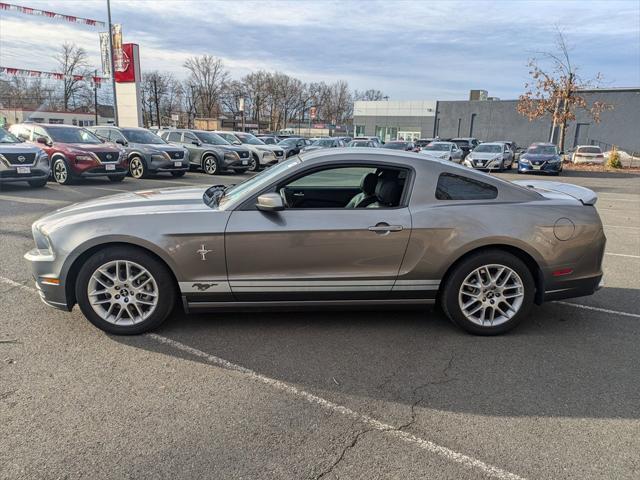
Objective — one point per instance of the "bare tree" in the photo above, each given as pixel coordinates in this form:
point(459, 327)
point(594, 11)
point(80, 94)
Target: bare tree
point(72, 61)
point(556, 92)
point(370, 95)
point(208, 76)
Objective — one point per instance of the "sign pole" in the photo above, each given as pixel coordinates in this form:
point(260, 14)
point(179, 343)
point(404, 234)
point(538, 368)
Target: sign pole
point(95, 94)
point(113, 66)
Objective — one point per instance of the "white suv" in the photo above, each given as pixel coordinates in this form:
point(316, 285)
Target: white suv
point(262, 155)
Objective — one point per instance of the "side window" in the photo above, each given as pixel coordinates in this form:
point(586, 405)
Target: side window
point(21, 131)
point(189, 137)
point(173, 137)
point(333, 178)
point(115, 135)
point(102, 133)
point(39, 132)
point(456, 187)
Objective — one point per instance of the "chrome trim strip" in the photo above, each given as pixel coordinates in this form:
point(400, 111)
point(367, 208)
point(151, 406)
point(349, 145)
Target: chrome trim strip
point(242, 286)
point(417, 282)
point(310, 303)
point(305, 283)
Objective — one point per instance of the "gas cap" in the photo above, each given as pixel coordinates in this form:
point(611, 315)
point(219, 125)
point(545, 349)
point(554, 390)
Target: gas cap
point(564, 229)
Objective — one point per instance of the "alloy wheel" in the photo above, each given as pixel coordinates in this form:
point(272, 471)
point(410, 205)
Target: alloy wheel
point(210, 165)
point(60, 171)
point(491, 295)
point(253, 164)
point(122, 292)
point(136, 168)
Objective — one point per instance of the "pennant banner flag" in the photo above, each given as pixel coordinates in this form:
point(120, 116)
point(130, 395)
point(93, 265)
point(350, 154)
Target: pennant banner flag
point(21, 72)
point(53, 15)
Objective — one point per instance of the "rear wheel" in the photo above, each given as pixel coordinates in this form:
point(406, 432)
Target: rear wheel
point(125, 290)
point(489, 292)
point(210, 165)
point(38, 183)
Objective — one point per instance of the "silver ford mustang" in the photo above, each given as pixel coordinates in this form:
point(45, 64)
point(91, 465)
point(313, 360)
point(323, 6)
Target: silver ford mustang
point(337, 227)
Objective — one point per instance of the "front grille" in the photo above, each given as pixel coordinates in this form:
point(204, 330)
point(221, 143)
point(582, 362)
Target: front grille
point(279, 153)
point(243, 154)
point(177, 155)
point(107, 156)
point(19, 158)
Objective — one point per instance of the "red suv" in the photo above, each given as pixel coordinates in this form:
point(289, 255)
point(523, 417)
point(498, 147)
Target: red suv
point(75, 152)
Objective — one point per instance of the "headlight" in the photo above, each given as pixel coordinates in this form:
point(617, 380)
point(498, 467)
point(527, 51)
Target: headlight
point(44, 158)
point(84, 158)
point(165, 155)
point(524, 160)
point(123, 153)
point(231, 156)
point(41, 239)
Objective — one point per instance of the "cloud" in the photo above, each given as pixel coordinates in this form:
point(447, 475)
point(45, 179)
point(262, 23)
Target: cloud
point(409, 49)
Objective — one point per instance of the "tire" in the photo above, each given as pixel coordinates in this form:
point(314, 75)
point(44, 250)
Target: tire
point(138, 168)
point(178, 174)
point(254, 163)
point(455, 294)
point(210, 165)
point(156, 281)
point(37, 183)
point(61, 172)
point(116, 178)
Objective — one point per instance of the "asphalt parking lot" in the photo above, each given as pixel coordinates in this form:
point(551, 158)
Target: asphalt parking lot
point(364, 395)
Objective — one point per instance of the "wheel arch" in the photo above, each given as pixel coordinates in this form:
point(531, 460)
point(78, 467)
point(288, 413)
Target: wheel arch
point(528, 259)
point(76, 263)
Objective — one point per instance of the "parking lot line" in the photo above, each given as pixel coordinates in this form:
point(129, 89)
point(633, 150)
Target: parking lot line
point(33, 200)
point(598, 309)
point(427, 445)
point(621, 226)
point(622, 255)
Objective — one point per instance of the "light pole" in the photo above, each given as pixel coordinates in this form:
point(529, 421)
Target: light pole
point(113, 66)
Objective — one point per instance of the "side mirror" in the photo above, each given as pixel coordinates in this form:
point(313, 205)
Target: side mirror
point(270, 202)
point(122, 142)
point(42, 140)
point(196, 143)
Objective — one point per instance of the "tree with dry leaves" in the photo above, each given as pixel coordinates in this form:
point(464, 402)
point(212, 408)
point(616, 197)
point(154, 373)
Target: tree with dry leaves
point(556, 91)
point(208, 76)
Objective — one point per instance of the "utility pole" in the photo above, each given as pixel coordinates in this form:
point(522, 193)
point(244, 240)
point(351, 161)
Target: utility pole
point(95, 93)
point(113, 66)
point(155, 96)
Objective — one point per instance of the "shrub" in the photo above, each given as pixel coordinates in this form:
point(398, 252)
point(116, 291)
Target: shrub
point(614, 158)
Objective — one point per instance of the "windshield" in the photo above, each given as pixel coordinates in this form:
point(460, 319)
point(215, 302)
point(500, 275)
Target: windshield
point(359, 143)
point(231, 138)
point(249, 139)
point(437, 147)
point(269, 140)
point(461, 143)
point(488, 148)
point(289, 142)
point(142, 136)
point(396, 145)
point(211, 138)
point(257, 182)
point(6, 137)
point(542, 150)
point(72, 135)
point(326, 142)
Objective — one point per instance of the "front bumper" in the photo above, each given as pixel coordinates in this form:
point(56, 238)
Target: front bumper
point(101, 171)
point(235, 164)
point(11, 175)
point(159, 163)
point(544, 167)
point(268, 158)
point(43, 267)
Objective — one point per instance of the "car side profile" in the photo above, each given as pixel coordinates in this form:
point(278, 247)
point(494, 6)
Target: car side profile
point(443, 150)
point(22, 162)
point(466, 144)
point(293, 145)
point(75, 152)
point(337, 227)
point(147, 153)
point(262, 155)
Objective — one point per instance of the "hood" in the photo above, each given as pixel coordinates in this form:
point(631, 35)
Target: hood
point(233, 148)
point(538, 157)
point(160, 147)
point(16, 148)
point(434, 153)
point(485, 155)
point(91, 147)
point(142, 202)
point(264, 148)
point(311, 148)
point(274, 148)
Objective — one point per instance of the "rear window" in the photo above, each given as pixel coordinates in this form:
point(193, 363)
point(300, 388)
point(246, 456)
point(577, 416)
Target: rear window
point(455, 187)
point(589, 150)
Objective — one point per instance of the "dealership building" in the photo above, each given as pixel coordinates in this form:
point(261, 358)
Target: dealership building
point(487, 119)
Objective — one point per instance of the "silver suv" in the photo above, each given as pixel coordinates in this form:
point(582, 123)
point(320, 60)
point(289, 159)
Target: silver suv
point(147, 152)
point(262, 155)
point(210, 151)
point(22, 162)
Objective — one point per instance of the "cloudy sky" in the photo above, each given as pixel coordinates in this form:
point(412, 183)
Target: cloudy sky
point(409, 49)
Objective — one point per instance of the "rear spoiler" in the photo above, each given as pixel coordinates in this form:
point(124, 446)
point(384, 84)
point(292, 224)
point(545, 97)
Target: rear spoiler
point(586, 196)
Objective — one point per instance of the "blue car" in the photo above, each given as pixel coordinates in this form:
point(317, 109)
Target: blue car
point(541, 158)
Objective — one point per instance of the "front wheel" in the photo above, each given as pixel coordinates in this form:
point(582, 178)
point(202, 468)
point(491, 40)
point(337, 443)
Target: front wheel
point(210, 165)
point(489, 292)
point(254, 163)
point(137, 168)
point(61, 173)
point(124, 290)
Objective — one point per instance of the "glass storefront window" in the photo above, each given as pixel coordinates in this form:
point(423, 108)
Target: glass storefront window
point(386, 134)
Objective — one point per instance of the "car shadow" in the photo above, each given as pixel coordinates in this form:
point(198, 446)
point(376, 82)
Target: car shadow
point(560, 362)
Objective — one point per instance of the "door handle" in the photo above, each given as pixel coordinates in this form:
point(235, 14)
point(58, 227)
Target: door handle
point(383, 227)
point(298, 194)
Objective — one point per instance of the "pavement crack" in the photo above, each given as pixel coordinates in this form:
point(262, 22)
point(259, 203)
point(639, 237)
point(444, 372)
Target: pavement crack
point(344, 451)
point(444, 378)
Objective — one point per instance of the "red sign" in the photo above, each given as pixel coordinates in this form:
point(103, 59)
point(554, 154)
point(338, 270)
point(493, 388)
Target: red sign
point(125, 61)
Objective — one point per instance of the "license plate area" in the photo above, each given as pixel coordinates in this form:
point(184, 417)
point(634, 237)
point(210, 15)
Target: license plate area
point(23, 170)
point(177, 164)
point(109, 167)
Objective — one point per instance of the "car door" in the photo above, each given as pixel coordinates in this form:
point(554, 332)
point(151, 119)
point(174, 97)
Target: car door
point(507, 155)
point(318, 253)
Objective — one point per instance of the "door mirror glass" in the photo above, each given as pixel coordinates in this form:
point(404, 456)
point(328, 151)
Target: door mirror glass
point(196, 143)
point(270, 202)
point(42, 140)
point(121, 141)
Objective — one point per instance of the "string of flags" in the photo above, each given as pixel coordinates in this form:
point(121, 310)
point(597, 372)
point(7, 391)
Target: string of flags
point(22, 72)
point(53, 15)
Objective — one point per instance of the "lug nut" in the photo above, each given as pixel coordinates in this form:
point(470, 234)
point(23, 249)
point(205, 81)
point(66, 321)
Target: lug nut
point(117, 296)
point(117, 288)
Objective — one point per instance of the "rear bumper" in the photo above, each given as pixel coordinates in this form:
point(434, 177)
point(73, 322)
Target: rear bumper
point(575, 288)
